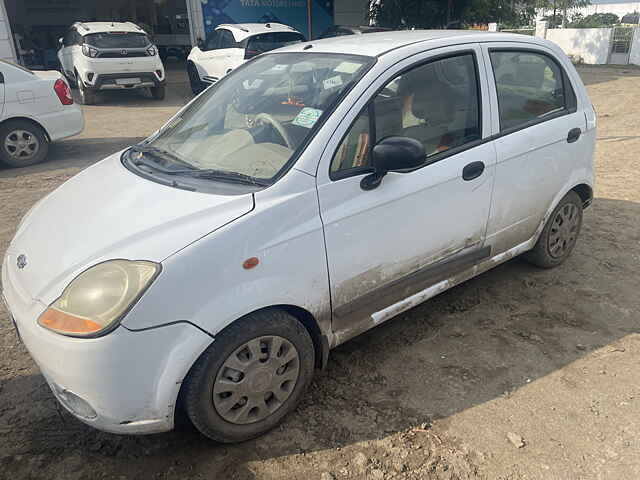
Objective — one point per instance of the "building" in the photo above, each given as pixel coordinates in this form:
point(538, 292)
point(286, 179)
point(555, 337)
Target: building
point(39, 23)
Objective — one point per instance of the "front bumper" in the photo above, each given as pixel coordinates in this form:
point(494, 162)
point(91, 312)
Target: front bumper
point(109, 81)
point(127, 381)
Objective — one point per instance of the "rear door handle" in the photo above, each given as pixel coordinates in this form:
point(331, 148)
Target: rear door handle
point(573, 135)
point(473, 170)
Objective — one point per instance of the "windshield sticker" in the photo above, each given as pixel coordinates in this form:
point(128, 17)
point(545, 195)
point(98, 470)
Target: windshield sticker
point(332, 82)
point(347, 67)
point(278, 68)
point(251, 85)
point(307, 117)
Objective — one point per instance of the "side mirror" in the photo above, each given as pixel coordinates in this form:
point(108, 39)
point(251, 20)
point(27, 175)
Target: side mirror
point(61, 41)
point(200, 44)
point(393, 154)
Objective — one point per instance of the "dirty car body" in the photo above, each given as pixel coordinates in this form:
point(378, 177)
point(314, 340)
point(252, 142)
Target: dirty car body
point(334, 184)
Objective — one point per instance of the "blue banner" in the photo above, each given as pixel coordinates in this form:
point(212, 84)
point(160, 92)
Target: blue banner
point(294, 13)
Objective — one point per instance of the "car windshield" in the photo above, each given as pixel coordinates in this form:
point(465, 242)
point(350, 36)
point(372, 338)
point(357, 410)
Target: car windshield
point(117, 40)
point(253, 121)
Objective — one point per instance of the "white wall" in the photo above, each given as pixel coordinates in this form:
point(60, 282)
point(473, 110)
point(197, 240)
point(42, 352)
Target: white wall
point(634, 55)
point(592, 44)
point(350, 12)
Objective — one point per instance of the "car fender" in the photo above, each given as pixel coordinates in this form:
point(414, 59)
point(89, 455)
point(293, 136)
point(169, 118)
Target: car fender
point(208, 284)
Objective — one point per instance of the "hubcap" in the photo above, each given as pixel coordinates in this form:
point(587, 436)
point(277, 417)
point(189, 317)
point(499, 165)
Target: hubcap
point(256, 379)
point(21, 144)
point(564, 230)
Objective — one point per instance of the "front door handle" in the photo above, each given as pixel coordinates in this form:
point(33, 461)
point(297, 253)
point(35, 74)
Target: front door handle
point(473, 170)
point(573, 135)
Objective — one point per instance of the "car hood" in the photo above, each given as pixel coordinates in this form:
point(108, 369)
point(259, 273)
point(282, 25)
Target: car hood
point(108, 212)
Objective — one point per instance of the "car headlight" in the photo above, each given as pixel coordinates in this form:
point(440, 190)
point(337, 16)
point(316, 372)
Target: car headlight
point(96, 300)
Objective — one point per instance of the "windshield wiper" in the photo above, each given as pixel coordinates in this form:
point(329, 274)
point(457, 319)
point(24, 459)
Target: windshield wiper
point(214, 174)
point(163, 154)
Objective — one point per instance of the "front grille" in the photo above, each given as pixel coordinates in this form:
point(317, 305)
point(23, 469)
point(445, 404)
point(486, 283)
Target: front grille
point(119, 54)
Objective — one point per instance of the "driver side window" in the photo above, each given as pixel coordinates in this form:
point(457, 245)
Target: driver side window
point(436, 103)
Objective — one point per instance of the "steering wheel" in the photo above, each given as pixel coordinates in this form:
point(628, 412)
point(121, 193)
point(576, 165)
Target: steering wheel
point(263, 118)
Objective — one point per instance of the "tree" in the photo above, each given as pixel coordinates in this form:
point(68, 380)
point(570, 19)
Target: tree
point(560, 9)
point(416, 13)
point(594, 20)
point(508, 14)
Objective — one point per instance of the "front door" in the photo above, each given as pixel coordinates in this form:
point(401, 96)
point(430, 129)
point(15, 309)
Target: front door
point(419, 227)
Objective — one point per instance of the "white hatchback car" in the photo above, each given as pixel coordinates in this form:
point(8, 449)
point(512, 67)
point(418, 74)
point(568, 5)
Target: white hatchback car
point(35, 108)
point(110, 56)
point(312, 194)
point(230, 45)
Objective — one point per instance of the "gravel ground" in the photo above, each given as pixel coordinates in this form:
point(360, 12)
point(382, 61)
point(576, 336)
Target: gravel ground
point(518, 374)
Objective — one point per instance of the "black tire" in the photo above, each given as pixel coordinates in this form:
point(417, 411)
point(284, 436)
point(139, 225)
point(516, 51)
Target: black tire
point(199, 385)
point(158, 93)
point(13, 134)
point(197, 85)
point(558, 237)
point(87, 96)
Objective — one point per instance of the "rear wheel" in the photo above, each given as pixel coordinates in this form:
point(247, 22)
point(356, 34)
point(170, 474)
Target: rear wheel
point(158, 93)
point(22, 143)
point(559, 235)
point(87, 96)
point(251, 377)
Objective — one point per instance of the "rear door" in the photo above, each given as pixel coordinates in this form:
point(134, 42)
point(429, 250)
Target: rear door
point(538, 133)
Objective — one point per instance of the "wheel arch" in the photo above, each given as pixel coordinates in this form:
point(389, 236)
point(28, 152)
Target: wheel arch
point(585, 192)
point(29, 120)
point(320, 345)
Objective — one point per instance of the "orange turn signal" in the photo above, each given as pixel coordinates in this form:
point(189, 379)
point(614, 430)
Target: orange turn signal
point(62, 322)
point(250, 263)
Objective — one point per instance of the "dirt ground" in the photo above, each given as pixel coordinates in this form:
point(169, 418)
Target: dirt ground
point(518, 374)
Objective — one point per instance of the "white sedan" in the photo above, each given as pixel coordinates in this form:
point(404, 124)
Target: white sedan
point(35, 108)
point(313, 193)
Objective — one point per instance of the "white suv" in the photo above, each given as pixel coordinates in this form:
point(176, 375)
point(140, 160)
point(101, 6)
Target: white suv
point(229, 46)
point(108, 56)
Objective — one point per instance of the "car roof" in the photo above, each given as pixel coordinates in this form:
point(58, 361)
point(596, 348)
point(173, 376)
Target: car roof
point(379, 43)
point(85, 28)
point(243, 30)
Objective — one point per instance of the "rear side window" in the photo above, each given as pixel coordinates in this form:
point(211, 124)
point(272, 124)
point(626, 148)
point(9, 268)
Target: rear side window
point(117, 40)
point(270, 41)
point(530, 87)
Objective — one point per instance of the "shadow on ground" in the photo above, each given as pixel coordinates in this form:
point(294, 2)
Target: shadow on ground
point(488, 336)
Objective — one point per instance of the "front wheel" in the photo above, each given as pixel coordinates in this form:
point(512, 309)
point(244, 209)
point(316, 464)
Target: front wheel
point(197, 85)
point(559, 235)
point(251, 377)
